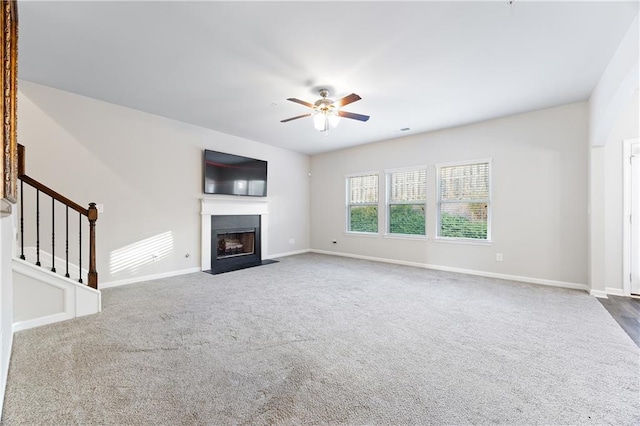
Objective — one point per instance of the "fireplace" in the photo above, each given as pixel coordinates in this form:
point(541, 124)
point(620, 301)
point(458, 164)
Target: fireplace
point(235, 242)
point(232, 206)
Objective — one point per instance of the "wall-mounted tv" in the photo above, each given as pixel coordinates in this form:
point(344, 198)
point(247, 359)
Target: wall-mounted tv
point(230, 174)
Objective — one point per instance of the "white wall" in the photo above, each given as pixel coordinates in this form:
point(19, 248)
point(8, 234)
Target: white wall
point(147, 171)
point(626, 127)
point(616, 86)
point(596, 220)
point(539, 195)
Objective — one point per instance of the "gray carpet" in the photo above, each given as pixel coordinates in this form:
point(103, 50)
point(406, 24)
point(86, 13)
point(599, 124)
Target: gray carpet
point(325, 340)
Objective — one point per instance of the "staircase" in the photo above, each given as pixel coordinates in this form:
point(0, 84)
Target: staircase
point(48, 288)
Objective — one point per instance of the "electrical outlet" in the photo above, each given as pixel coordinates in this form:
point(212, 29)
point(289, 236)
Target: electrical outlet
point(292, 241)
point(499, 257)
point(100, 208)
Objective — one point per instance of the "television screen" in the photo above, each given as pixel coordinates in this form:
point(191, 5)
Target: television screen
point(234, 175)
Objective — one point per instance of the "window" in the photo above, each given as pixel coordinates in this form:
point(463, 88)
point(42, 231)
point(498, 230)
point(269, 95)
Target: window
point(407, 195)
point(464, 200)
point(362, 203)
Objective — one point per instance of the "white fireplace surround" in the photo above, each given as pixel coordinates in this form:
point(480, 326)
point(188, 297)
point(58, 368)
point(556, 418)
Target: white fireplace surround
point(231, 206)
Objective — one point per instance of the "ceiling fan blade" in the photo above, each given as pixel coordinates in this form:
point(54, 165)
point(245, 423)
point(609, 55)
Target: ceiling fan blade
point(347, 100)
point(295, 118)
point(353, 115)
point(298, 101)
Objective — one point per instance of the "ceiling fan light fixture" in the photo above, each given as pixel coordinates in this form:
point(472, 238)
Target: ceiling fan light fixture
point(325, 118)
point(320, 121)
point(334, 119)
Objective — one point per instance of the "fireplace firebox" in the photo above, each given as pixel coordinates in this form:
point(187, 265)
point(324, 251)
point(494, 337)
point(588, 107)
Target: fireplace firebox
point(235, 242)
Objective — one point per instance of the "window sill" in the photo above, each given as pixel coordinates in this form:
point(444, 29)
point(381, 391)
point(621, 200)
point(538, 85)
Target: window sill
point(362, 234)
point(405, 237)
point(468, 241)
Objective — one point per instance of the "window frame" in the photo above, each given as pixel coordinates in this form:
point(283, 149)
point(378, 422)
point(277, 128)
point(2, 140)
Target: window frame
point(348, 203)
point(439, 202)
point(388, 203)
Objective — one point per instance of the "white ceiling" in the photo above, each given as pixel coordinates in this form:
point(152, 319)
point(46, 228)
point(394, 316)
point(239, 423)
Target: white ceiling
point(229, 66)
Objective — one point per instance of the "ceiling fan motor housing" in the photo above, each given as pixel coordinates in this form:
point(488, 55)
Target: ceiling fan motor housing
point(323, 104)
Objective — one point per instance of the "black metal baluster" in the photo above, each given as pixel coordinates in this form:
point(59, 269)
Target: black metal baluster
point(80, 248)
point(22, 220)
point(66, 245)
point(37, 227)
point(53, 234)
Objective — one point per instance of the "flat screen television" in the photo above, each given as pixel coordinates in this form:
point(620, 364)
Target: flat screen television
point(230, 174)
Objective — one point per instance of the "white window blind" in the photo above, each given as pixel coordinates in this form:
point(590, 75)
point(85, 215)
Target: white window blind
point(464, 201)
point(363, 189)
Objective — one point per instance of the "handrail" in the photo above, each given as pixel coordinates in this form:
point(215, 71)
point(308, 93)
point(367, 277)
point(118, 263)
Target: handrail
point(53, 194)
point(91, 214)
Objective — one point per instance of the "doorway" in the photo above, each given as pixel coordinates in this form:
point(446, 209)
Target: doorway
point(632, 216)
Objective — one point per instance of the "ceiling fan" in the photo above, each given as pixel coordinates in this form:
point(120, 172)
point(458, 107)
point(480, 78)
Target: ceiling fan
point(326, 112)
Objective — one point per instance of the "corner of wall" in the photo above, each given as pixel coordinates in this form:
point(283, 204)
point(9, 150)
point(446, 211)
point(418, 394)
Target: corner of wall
point(609, 99)
point(7, 232)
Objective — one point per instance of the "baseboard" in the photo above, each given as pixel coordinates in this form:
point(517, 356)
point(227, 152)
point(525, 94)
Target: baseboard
point(290, 253)
point(37, 322)
point(614, 291)
point(599, 293)
point(531, 280)
point(181, 272)
point(148, 278)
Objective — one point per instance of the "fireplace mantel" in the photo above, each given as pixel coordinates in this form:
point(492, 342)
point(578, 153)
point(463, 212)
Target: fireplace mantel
point(216, 206)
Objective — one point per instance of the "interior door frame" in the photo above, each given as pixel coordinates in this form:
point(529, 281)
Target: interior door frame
point(626, 215)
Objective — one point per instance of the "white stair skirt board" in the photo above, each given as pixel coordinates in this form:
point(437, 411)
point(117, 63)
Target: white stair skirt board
point(60, 263)
point(42, 297)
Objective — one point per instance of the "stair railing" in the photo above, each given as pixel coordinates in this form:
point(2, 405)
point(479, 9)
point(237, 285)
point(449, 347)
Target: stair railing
point(90, 213)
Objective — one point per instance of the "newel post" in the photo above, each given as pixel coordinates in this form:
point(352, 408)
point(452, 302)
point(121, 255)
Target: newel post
point(93, 274)
point(21, 160)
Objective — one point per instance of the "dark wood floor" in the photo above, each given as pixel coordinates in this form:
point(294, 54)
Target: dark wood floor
point(626, 311)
